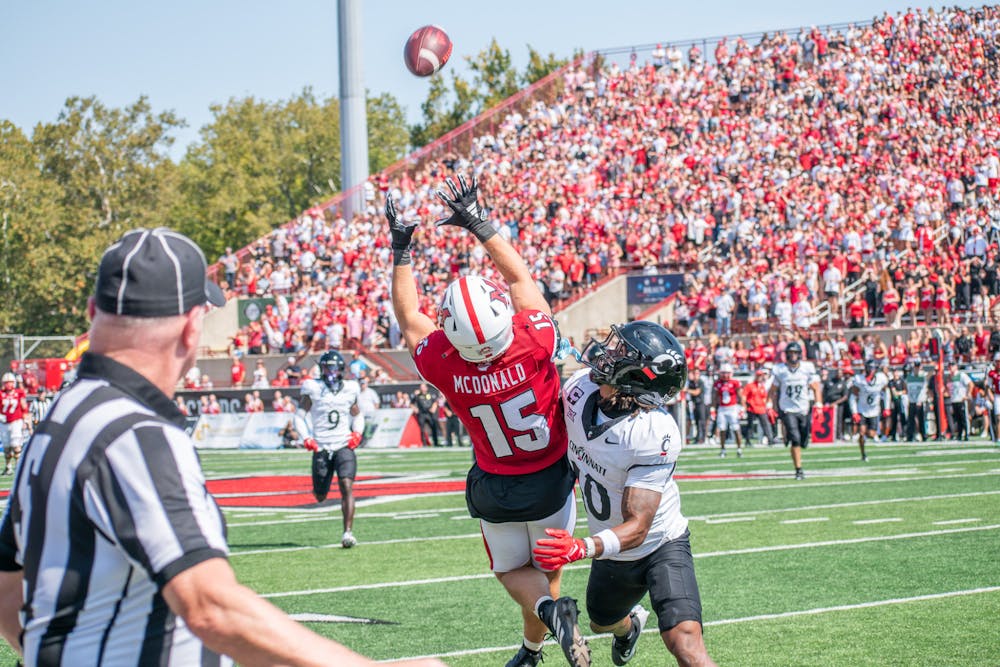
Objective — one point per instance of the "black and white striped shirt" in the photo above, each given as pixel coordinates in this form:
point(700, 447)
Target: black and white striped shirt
point(109, 504)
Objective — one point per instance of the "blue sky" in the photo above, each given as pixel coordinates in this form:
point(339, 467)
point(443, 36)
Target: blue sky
point(187, 54)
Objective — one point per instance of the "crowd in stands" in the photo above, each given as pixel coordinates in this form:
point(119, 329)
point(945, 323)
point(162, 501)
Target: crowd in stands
point(775, 174)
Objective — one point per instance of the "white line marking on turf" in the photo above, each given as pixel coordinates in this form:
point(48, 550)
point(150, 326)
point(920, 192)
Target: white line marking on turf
point(324, 512)
point(865, 522)
point(811, 519)
point(731, 621)
point(732, 519)
point(800, 485)
point(711, 554)
point(425, 515)
point(402, 540)
point(954, 521)
point(853, 503)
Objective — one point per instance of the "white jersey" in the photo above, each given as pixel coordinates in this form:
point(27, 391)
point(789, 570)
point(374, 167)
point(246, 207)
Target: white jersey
point(638, 450)
point(870, 394)
point(793, 386)
point(330, 413)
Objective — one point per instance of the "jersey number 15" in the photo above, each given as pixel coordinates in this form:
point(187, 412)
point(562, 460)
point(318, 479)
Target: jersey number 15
point(533, 429)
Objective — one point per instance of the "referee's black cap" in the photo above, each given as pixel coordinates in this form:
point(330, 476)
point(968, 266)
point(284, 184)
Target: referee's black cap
point(154, 273)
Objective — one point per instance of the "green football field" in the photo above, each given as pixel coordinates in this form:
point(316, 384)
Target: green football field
point(891, 562)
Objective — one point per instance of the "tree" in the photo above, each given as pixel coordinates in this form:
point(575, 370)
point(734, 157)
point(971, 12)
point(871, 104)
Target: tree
point(67, 194)
point(538, 67)
point(388, 135)
point(107, 162)
point(259, 164)
point(494, 79)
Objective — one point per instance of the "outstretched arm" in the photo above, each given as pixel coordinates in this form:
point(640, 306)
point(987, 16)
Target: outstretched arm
point(524, 292)
point(464, 202)
point(414, 325)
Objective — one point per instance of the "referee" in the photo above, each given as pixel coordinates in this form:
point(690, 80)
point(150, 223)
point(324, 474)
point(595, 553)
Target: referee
point(112, 551)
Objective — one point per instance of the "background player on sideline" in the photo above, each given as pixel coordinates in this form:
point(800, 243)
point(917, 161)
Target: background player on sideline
point(790, 393)
point(491, 355)
point(726, 398)
point(868, 395)
point(13, 412)
point(337, 422)
point(624, 445)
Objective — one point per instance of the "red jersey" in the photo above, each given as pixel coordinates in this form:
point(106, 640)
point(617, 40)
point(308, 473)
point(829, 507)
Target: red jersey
point(994, 378)
point(728, 392)
point(511, 407)
point(756, 394)
point(12, 404)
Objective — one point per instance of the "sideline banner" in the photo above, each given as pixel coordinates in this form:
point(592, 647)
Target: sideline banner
point(222, 431)
point(389, 424)
point(262, 428)
point(259, 430)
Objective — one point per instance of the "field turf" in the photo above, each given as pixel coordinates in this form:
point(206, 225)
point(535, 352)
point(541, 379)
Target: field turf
point(891, 562)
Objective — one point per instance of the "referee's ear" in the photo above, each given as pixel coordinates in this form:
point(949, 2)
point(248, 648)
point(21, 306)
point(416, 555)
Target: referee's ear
point(190, 336)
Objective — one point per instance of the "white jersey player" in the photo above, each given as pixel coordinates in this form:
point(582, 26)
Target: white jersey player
point(332, 405)
point(869, 400)
point(624, 446)
point(795, 390)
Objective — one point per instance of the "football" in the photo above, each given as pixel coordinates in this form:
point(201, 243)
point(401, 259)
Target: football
point(427, 50)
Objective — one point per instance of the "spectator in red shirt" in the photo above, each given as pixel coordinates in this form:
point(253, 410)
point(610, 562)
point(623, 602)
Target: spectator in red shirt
point(237, 372)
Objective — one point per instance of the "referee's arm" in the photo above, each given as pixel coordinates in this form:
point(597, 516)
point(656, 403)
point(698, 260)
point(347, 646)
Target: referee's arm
point(11, 586)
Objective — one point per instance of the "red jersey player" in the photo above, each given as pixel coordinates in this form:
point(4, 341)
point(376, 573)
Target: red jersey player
point(993, 385)
point(726, 398)
point(13, 410)
point(491, 356)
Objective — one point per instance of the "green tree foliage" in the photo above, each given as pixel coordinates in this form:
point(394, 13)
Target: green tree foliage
point(260, 164)
point(539, 66)
point(68, 193)
point(493, 79)
point(78, 183)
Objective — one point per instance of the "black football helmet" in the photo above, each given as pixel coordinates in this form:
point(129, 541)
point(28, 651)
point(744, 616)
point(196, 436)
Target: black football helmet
point(871, 366)
point(793, 353)
point(331, 369)
point(640, 359)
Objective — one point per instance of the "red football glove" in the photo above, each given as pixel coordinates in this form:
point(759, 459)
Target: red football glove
point(354, 440)
point(886, 412)
point(856, 418)
point(310, 444)
point(772, 415)
point(563, 548)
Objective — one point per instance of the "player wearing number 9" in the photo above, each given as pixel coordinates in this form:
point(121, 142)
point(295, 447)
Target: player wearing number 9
point(491, 354)
point(624, 445)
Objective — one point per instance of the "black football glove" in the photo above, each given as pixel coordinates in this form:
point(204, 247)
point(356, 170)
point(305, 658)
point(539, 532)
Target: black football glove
point(467, 212)
point(401, 234)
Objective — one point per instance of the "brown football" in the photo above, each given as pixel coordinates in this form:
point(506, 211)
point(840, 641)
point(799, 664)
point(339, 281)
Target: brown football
point(427, 50)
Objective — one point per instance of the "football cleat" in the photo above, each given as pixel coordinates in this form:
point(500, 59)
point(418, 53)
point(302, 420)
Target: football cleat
point(623, 648)
point(799, 474)
point(525, 657)
point(561, 619)
point(348, 540)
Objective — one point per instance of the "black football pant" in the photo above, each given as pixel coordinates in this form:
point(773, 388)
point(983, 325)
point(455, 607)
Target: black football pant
point(916, 419)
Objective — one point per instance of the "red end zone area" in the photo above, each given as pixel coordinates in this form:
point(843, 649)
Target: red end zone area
point(296, 490)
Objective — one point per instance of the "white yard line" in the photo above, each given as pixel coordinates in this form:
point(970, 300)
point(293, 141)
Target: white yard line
point(744, 619)
point(952, 522)
point(865, 522)
point(812, 519)
point(732, 519)
point(467, 577)
point(325, 511)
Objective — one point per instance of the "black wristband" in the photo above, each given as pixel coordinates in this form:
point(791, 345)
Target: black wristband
point(400, 256)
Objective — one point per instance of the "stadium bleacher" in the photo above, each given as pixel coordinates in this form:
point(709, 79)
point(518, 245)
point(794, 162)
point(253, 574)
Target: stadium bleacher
point(821, 178)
